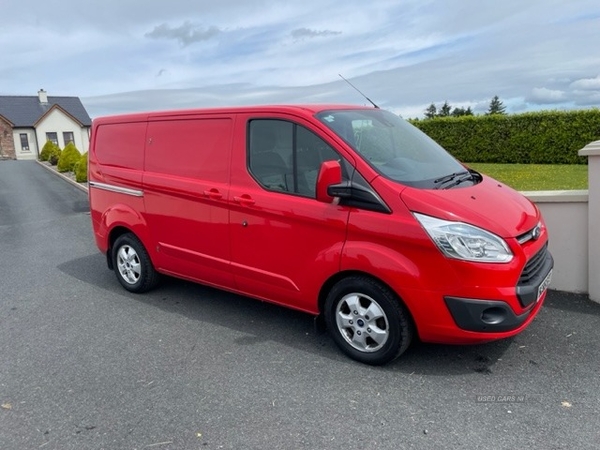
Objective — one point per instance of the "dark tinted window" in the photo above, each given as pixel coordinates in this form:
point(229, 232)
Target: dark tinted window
point(286, 157)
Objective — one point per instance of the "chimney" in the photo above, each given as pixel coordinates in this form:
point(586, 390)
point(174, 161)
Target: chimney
point(43, 96)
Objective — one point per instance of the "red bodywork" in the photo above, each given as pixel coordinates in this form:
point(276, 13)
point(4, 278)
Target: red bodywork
point(202, 216)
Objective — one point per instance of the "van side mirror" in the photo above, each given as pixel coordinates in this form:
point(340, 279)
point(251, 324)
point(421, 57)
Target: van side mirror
point(330, 173)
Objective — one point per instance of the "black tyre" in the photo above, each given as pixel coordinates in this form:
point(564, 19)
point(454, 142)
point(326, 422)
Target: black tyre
point(132, 265)
point(367, 320)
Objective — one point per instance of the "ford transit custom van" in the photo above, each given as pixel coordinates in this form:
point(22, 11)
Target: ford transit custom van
point(344, 212)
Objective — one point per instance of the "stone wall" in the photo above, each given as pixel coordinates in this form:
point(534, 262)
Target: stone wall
point(7, 144)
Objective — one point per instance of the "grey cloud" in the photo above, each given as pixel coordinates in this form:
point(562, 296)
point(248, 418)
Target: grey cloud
point(186, 34)
point(300, 33)
point(587, 98)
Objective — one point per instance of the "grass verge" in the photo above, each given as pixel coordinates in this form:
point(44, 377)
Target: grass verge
point(537, 177)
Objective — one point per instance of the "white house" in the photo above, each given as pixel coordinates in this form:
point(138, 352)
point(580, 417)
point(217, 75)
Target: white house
point(27, 122)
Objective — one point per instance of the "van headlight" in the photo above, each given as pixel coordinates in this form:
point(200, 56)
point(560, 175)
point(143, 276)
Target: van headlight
point(463, 241)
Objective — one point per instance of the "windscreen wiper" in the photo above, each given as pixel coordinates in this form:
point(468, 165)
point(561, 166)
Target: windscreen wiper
point(450, 177)
point(456, 178)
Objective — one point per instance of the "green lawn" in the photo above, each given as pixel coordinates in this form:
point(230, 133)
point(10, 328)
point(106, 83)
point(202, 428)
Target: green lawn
point(536, 177)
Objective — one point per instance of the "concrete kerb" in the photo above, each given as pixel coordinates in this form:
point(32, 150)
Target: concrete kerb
point(68, 177)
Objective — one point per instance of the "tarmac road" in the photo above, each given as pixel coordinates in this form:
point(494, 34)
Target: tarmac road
point(86, 365)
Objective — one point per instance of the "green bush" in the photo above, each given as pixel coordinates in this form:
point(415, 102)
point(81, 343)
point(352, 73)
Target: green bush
point(47, 150)
point(547, 137)
point(80, 169)
point(54, 155)
point(68, 158)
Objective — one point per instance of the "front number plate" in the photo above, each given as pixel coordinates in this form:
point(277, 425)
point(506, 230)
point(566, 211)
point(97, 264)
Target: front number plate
point(544, 285)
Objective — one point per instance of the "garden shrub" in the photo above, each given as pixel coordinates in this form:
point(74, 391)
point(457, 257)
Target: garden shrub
point(68, 158)
point(54, 155)
point(46, 150)
point(80, 169)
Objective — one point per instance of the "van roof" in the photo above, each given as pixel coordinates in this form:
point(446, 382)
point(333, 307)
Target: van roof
point(299, 109)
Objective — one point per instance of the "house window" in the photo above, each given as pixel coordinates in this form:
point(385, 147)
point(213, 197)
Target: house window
point(68, 137)
point(53, 137)
point(24, 142)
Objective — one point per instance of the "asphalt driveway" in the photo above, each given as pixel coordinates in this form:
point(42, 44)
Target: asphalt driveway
point(86, 365)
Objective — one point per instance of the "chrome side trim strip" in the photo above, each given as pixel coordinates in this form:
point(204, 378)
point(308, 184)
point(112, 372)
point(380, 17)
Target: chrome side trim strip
point(118, 189)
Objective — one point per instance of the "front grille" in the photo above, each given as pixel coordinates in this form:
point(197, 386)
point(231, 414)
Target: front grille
point(533, 266)
point(525, 237)
point(533, 274)
point(528, 236)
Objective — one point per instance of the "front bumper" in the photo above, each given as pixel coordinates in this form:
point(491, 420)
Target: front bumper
point(484, 315)
point(495, 316)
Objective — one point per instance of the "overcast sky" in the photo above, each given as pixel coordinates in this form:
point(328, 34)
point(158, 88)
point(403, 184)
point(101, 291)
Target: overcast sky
point(123, 55)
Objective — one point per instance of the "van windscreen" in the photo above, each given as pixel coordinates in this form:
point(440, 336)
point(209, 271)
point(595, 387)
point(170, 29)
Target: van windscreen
point(396, 149)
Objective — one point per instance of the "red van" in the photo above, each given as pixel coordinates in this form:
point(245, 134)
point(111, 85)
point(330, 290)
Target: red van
point(348, 213)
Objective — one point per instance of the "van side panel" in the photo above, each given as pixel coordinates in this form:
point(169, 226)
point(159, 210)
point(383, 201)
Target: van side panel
point(186, 184)
point(116, 158)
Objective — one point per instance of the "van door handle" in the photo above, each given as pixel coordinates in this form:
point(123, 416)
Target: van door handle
point(213, 193)
point(244, 199)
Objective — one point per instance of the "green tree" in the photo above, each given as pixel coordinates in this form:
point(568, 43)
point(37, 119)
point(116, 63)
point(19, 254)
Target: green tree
point(431, 111)
point(445, 110)
point(496, 106)
point(458, 112)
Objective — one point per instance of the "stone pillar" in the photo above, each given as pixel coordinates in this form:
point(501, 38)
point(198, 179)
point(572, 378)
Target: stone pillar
point(592, 151)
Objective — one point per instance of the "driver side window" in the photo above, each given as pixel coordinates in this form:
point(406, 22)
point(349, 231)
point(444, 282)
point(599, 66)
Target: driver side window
point(286, 157)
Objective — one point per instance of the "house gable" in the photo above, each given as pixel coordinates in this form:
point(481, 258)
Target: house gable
point(61, 126)
point(52, 110)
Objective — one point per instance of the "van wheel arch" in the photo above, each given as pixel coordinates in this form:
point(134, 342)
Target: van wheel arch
point(333, 280)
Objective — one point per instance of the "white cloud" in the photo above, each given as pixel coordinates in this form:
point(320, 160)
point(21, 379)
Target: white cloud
point(549, 96)
point(587, 84)
point(301, 33)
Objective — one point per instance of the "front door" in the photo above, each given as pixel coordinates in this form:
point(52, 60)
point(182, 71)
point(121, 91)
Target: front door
point(284, 242)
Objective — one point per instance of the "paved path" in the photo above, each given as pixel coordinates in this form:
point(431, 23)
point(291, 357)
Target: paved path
point(86, 365)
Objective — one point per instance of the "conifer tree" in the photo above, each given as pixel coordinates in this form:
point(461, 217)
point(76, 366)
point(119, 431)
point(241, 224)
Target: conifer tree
point(496, 106)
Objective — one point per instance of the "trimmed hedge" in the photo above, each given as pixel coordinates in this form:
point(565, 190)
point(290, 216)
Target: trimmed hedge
point(548, 137)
